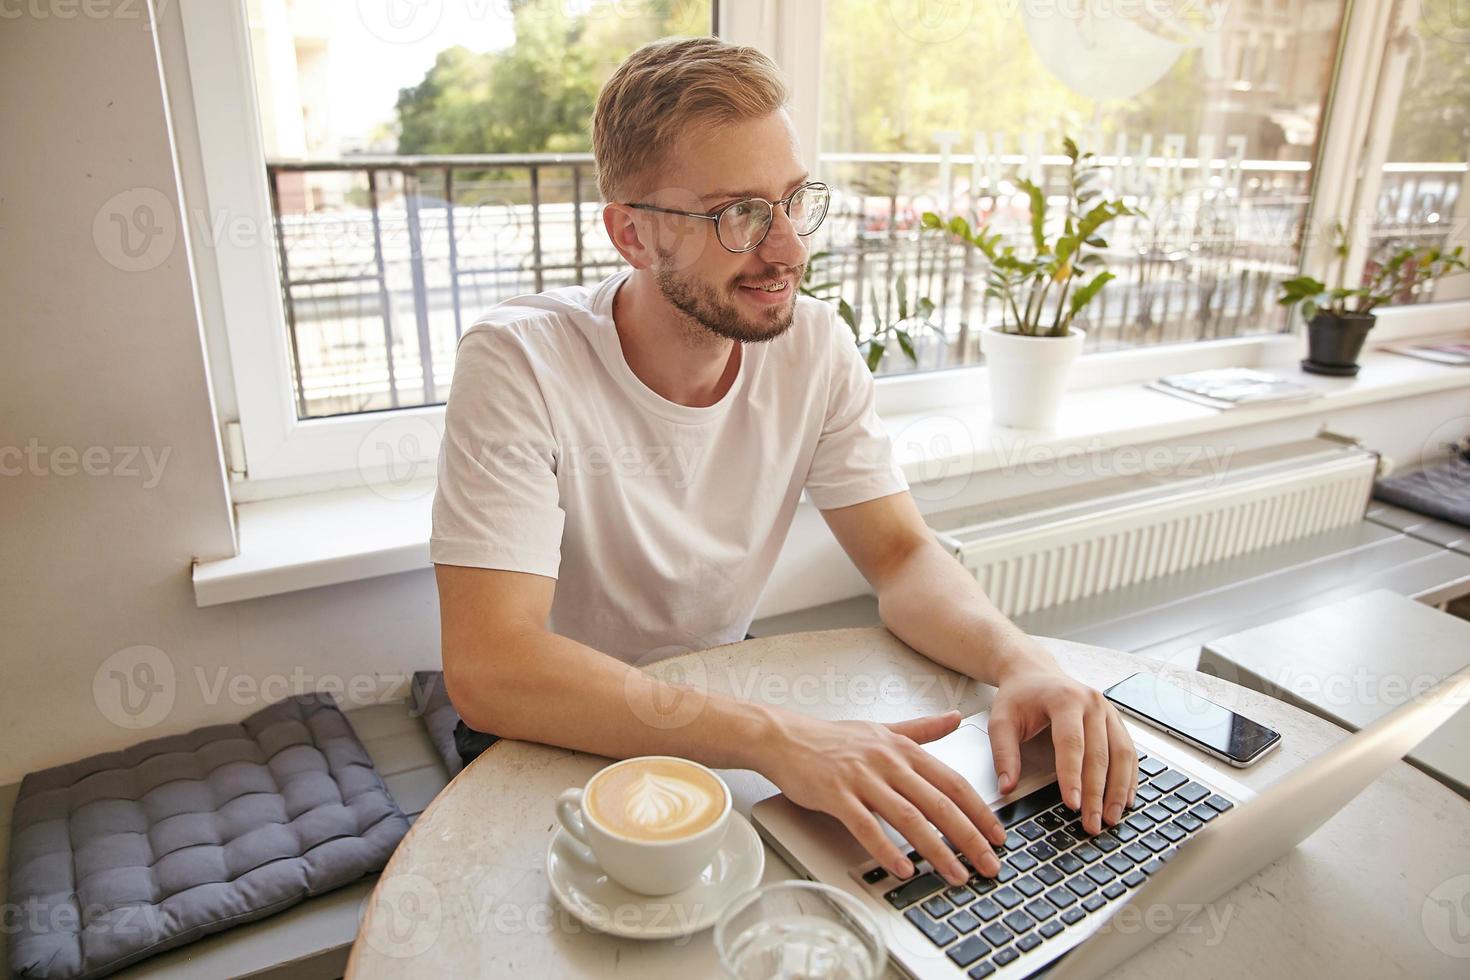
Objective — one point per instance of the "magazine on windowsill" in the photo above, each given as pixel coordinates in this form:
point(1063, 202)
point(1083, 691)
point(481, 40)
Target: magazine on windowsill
point(1226, 388)
point(1457, 354)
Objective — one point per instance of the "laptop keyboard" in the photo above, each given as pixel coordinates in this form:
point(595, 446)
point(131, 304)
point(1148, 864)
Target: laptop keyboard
point(1053, 873)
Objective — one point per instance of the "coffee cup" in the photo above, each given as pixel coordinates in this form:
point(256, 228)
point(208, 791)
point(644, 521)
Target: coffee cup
point(652, 822)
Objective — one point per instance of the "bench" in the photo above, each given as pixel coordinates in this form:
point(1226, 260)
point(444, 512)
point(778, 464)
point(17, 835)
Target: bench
point(1419, 557)
point(1171, 617)
point(309, 941)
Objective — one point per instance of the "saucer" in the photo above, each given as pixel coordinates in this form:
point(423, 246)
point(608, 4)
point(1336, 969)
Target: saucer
point(586, 891)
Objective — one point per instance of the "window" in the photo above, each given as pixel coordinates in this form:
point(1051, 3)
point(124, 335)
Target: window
point(1206, 113)
point(1425, 174)
point(407, 165)
point(425, 163)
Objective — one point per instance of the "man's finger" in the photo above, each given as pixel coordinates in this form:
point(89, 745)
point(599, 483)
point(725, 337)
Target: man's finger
point(927, 728)
point(971, 807)
point(949, 820)
point(1068, 738)
point(1122, 769)
point(910, 821)
point(866, 829)
point(1005, 748)
point(1094, 769)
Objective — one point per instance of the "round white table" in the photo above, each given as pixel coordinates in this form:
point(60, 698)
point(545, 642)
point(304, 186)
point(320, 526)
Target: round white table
point(1367, 895)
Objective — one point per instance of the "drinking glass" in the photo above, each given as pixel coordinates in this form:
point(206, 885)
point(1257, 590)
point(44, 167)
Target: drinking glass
point(799, 930)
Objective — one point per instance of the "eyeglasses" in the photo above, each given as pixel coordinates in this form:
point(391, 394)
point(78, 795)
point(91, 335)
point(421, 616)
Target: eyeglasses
point(742, 225)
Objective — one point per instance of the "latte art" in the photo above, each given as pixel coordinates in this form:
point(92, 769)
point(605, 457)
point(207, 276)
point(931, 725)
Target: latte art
point(673, 805)
point(655, 799)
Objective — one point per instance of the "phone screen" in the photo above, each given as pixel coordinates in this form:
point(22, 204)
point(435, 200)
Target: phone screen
point(1192, 716)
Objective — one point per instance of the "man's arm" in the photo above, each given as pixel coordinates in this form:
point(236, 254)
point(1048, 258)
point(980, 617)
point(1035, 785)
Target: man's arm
point(928, 600)
point(509, 675)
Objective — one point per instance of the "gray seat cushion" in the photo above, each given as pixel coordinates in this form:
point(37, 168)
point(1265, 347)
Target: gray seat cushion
point(457, 743)
point(1442, 490)
point(431, 703)
point(126, 854)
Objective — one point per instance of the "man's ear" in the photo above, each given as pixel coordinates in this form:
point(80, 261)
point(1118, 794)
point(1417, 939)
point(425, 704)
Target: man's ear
point(625, 235)
point(649, 238)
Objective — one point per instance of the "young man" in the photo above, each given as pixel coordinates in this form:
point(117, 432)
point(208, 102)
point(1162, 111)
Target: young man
point(621, 464)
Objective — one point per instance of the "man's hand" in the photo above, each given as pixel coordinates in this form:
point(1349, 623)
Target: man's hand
point(1097, 766)
point(935, 606)
point(855, 769)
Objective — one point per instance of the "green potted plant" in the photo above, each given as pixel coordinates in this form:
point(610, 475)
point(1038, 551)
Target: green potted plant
point(876, 342)
point(1030, 352)
point(1338, 319)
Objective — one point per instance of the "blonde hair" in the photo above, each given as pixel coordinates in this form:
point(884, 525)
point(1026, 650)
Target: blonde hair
point(668, 88)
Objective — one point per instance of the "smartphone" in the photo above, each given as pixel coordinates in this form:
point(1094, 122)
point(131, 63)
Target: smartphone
point(1207, 726)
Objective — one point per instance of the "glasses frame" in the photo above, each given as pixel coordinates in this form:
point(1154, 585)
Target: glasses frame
point(715, 215)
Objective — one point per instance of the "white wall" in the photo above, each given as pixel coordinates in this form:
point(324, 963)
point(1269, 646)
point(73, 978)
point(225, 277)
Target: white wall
point(97, 356)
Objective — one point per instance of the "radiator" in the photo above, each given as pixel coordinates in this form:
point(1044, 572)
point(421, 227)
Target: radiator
point(1036, 551)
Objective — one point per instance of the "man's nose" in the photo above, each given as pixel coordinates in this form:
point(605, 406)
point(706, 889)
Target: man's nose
point(783, 245)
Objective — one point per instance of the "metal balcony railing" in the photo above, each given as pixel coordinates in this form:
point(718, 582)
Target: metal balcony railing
point(384, 261)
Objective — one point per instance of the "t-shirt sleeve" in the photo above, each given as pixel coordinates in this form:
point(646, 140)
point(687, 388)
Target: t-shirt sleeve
point(497, 504)
point(854, 456)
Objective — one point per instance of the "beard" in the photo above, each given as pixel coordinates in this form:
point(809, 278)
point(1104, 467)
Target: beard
point(721, 314)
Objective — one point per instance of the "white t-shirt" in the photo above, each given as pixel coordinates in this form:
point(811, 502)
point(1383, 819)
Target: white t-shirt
point(660, 521)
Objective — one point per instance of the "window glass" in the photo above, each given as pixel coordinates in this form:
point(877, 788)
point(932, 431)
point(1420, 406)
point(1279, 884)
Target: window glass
point(1206, 115)
point(412, 154)
point(1426, 173)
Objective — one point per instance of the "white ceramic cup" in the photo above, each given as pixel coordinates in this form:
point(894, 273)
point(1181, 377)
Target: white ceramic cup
point(648, 867)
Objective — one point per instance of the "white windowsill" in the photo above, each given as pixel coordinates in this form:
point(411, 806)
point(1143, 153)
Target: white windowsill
point(317, 539)
point(294, 543)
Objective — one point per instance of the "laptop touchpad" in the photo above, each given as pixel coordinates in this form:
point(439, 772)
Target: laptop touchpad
point(966, 750)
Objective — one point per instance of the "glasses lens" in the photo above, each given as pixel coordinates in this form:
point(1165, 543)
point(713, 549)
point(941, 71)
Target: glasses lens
point(742, 225)
point(808, 208)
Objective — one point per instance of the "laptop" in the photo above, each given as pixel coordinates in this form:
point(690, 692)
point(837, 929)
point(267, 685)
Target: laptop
point(1191, 836)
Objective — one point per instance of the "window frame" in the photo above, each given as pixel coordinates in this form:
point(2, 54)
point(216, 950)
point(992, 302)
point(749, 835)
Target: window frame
point(230, 229)
point(1369, 77)
point(1377, 141)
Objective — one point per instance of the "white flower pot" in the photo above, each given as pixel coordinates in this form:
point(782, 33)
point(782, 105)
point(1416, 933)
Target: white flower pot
point(1028, 375)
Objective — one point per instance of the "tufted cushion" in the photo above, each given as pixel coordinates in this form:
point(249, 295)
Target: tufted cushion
point(1441, 490)
point(431, 703)
point(126, 854)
